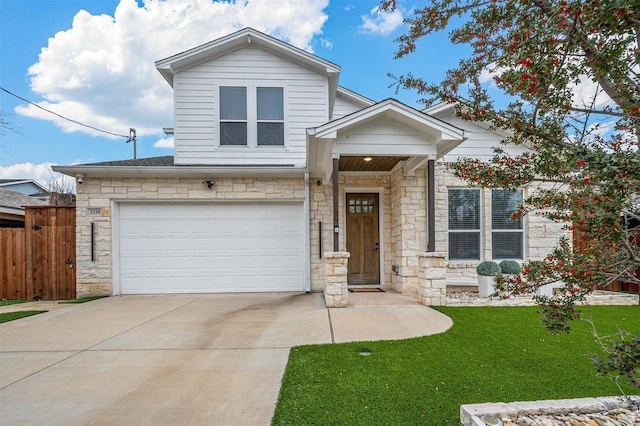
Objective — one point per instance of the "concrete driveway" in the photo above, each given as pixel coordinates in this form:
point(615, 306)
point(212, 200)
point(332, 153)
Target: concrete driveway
point(178, 359)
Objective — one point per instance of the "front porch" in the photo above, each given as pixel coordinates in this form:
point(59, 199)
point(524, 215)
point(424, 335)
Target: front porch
point(432, 289)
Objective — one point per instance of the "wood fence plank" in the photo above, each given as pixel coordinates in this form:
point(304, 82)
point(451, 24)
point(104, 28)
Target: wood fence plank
point(12, 263)
point(51, 242)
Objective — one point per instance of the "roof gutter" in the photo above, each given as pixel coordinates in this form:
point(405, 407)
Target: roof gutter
point(180, 171)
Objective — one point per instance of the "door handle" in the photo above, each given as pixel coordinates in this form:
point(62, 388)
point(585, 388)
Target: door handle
point(377, 247)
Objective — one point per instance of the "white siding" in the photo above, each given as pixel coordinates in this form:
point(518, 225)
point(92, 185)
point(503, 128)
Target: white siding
point(196, 107)
point(383, 136)
point(343, 107)
point(480, 143)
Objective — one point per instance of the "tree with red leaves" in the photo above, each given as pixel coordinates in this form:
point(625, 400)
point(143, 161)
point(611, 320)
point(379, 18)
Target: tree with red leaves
point(582, 152)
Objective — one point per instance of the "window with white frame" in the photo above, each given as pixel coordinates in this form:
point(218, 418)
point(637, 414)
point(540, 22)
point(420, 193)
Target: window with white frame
point(251, 116)
point(233, 115)
point(270, 114)
point(507, 234)
point(464, 224)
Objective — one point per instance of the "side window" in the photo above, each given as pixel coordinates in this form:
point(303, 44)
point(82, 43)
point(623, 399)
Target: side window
point(270, 115)
point(233, 115)
point(464, 224)
point(507, 234)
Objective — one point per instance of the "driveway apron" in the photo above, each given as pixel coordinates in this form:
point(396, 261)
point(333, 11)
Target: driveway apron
point(161, 360)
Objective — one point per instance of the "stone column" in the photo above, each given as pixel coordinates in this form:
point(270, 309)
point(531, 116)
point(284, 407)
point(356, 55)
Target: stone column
point(432, 283)
point(335, 289)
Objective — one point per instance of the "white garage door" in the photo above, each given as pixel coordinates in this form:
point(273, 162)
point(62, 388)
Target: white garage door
point(209, 248)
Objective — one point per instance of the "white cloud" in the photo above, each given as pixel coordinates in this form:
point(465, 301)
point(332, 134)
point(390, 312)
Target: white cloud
point(381, 22)
point(585, 91)
point(41, 173)
point(101, 71)
point(164, 143)
point(326, 43)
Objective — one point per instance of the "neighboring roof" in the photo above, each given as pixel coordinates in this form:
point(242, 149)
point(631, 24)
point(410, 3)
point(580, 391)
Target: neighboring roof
point(9, 183)
point(13, 202)
point(164, 167)
point(221, 46)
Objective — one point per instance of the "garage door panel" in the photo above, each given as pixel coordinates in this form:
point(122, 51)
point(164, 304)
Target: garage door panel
point(177, 248)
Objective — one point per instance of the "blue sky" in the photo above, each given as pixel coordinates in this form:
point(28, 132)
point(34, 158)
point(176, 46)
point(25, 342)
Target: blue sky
point(92, 61)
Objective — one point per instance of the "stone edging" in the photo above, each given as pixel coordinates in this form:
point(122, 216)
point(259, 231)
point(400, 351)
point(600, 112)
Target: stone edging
point(471, 414)
point(599, 297)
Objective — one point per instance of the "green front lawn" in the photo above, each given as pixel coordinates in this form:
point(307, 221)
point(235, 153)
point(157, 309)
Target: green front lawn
point(489, 355)
point(10, 316)
point(12, 302)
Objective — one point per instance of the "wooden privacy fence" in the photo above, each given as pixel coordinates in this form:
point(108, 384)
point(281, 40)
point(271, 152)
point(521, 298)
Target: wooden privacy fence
point(39, 260)
point(12, 263)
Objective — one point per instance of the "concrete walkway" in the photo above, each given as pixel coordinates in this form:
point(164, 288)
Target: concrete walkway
point(178, 359)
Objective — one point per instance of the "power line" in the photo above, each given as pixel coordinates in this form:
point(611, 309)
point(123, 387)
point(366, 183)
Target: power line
point(63, 117)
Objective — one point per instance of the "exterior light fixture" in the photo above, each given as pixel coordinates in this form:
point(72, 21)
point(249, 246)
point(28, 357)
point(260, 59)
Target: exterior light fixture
point(209, 183)
point(367, 159)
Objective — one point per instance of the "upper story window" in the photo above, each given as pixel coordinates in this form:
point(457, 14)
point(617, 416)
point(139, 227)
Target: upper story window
point(233, 115)
point(251, 116)
point(270, 115)
point(507, 235)
point(464, 224)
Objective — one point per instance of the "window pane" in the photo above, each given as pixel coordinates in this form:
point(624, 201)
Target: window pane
point(507, 245)
point(464, 245)
point(464, 209)
point(503, 204)
point(233, 133)
point(270, 134)
point(270, 103)
point(233, 103)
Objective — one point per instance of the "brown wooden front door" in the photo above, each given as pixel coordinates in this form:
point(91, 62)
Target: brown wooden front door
point(363, 241)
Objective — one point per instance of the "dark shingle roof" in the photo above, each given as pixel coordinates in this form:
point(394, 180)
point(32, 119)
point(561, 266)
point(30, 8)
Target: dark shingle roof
point(16, 200)
point(166, 160)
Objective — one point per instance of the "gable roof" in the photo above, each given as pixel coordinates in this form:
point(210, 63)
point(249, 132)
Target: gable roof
point(221, 46)
point(354, 97)
point(13, 202)
point(390, 108)
point(321, 140)
point(12, 183)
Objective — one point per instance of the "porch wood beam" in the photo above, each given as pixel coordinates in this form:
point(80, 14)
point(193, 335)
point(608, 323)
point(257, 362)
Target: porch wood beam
point(336, 217)
point(431, 206)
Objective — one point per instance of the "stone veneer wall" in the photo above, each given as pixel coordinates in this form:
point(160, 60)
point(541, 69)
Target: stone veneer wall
point(409, 226)
point(540, 234)
point(96, 277)
point(321, 210)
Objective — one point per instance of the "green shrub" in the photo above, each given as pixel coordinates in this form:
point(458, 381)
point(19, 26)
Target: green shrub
point(488, 268)
point(510, 267)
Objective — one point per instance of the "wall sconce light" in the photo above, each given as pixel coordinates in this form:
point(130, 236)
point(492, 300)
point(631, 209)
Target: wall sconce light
point(209, 183)
point(80, 179)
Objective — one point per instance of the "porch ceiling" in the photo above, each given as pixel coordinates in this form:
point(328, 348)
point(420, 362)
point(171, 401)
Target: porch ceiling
point(376, 164)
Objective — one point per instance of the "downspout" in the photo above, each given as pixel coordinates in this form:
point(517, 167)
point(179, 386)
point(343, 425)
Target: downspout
point(336, 218)
point(307, 236)
point(431, 207)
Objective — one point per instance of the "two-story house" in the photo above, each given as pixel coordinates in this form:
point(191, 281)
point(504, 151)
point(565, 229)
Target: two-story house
point(275, 167)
